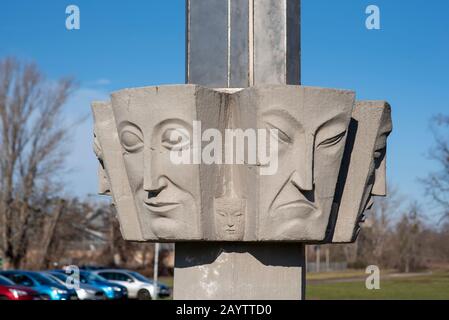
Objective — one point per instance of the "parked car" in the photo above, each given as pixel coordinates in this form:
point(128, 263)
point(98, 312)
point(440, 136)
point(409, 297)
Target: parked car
point(47, 288)
point(112, 291)
point(91, 267)
point(84, 291)
point(10, 291)
point(139, 287)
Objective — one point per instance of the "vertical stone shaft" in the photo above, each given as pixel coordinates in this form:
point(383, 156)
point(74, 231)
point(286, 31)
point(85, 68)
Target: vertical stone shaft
point(241, 43)
point(237, 44)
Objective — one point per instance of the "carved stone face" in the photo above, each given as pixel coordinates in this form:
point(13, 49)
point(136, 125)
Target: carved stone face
point(103, 181)
point(230, 219)
point(295, 203)
point(378, 173)
point(112, 172)
point(167, 195)
point(365, 151)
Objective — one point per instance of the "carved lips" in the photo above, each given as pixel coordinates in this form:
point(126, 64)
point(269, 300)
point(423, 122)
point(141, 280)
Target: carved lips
point(305, 207)
point(161, 207)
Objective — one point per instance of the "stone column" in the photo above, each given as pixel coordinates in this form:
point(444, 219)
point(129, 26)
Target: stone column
point(237, 44)
point(239, 271)
point(241, 43)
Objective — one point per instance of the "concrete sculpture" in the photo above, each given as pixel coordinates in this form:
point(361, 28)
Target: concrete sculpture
point(138, 132)
point(149, 122)
point(295, 203)
point(109, 153)
point(363, 172)
point(242, 166)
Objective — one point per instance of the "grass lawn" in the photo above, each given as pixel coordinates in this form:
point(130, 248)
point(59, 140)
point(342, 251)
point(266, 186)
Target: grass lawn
point(168, 281)
point(433, 286)
point(350, 273)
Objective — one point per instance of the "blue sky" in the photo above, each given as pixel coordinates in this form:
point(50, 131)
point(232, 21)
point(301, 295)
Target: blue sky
point(141, 42)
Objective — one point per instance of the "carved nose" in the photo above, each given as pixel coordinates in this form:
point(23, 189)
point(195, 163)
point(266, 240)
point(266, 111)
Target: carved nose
point(156, 189)
point(302, 178)
point(380, 182)
point(301, 181)
point(152, 179)
point(103, 183)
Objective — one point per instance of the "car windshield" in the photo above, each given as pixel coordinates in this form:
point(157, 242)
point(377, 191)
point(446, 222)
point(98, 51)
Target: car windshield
point(92, 277)
point(43, 280)
point(140, 277)
point(60, 276)
point(5, 282)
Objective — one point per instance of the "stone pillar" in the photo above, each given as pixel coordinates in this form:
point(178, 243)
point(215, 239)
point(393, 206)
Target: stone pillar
point(237, 44)
point(242, 43)
point(239, 271)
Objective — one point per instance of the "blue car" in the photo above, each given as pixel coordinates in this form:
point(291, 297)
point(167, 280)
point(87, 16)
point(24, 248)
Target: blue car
point(84, 291)
point(111, 290)
point(47, 288)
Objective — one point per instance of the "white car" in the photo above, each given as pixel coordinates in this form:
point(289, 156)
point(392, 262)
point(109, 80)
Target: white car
point(139, 287)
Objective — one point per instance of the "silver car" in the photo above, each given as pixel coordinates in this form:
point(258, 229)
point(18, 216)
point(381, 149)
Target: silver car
point(84, 291)
point(139, 287)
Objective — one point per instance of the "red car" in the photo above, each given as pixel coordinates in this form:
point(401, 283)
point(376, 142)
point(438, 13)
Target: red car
point(10, 291)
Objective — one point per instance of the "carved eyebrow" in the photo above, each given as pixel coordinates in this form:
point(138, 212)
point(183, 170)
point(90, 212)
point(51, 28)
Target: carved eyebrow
point(126, 123)
point(282, 113)
point(173, 121)
point(335, 118)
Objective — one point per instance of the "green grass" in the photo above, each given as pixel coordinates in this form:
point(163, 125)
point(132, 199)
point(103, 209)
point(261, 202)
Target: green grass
point(434, 286)
point(350, 273)
point(168, 281)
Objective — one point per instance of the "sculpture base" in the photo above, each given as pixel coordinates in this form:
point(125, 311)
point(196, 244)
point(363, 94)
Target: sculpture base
point(239, 271)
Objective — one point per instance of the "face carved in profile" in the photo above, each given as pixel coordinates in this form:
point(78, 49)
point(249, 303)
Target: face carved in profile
point(103, 180)
point(363, 167)
point(312, 125)
point(166, 194)
point(377, 182)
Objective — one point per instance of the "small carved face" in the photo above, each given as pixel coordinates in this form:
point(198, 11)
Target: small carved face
point(230, 219)
point(150, 122)
point(312, 124)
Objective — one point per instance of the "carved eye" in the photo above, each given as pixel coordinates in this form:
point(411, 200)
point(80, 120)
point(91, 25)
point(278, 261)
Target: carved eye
point(278, 134)
point(132, 139)
point(332, 141)
point(176, 139)
point(221, 213)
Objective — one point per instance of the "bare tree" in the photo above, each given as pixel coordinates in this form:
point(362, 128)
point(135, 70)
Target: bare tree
point(374, 242)
point(408, 240)
point(79, 225)
point(32, 140)
point(437, 182)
